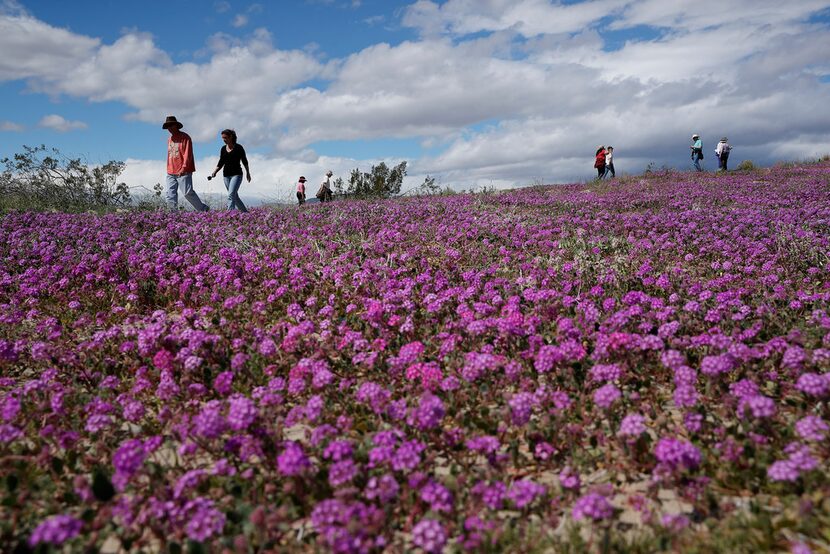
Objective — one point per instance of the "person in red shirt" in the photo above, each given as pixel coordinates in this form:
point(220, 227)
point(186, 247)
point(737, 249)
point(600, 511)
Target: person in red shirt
point(600, 162)
point(180, 167)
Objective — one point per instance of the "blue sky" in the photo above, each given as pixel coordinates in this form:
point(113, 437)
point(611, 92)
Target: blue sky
point(497, 92)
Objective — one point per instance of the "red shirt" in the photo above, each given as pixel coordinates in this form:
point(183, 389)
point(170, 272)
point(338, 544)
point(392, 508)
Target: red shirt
point(180, 154)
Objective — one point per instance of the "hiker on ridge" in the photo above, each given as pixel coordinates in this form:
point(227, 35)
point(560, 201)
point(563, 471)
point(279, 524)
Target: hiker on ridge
point(697, 151)
point(324, 192)
point(301, 191)
point(609, 162)
point(722, 152)
point(180, 167)
point(600, 162)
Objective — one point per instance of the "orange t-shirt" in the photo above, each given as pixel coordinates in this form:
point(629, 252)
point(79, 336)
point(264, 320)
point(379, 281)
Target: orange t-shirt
point(180, 154)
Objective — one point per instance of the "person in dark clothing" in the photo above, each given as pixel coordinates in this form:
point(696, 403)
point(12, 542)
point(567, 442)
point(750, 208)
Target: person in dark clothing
point(600, 162)
point(232, 157)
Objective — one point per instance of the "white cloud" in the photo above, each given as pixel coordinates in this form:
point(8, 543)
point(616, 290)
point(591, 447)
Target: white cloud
point(32, 48)
point(11, 126)
point(527, 17)
point(58, 123)
point(240, 21)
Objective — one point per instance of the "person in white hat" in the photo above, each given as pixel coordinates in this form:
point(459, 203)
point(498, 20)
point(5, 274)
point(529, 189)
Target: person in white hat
point(722, 152)
point(697, 151)
point(180, 167)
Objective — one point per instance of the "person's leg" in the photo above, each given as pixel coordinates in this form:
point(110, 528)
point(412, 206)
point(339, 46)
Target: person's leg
point(611, 169)
point(696, 161)
point(725, 158)
point(233, 194)
point(171, 192)
point(190, 194)
point(228, 188)
point(299, 198)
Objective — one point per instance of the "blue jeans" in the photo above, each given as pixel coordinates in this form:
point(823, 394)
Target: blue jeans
point(186, 182)
point(232, 184)
point(696, 161)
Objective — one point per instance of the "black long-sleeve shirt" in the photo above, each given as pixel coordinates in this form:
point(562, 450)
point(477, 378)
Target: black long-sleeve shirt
point(232, 160)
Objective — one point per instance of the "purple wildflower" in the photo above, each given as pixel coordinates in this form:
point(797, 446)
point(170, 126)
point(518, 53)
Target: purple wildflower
point(429, 535)
point(292, 460)
point(677, 454)
point(812, 428)
point(521, 407)
point(204, 520)
point(524, 492)
point(592, 506)
point(632, 425)
point(437, 496)
point(56, 530)
point(606, 395)
point(813, 384)
point(241, 412)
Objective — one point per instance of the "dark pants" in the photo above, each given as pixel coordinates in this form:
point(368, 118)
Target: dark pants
point(610, 168)
point(300, 198)
point(724, 157)
point(600, 172)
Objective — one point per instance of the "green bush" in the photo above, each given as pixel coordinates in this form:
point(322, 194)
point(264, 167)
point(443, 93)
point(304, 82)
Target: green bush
point(43, 179)
point(746, 165)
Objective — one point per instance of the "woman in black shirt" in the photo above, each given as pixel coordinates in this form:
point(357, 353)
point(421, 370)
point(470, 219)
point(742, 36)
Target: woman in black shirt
point(232, 157)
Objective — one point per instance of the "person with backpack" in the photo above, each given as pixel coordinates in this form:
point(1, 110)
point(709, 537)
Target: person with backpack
point(301, 191)
point(324, 192)
point(599, 162)
point(697, 151)
point(609, 162)
point(232, 157)
point(722, 152)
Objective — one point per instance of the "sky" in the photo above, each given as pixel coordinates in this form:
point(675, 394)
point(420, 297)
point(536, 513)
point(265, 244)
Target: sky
point(476, 93)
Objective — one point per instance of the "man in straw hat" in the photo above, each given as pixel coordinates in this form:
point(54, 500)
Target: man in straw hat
point(697, 151)
point(180, 167)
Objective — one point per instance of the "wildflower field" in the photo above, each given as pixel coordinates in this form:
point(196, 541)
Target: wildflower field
point(628, 366)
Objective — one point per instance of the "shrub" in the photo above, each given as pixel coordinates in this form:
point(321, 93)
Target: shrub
point(41, 179)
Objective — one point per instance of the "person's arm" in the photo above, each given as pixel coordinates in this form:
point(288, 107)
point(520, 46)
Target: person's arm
point(220, 163)
point(188, 165)
point(244, 160)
